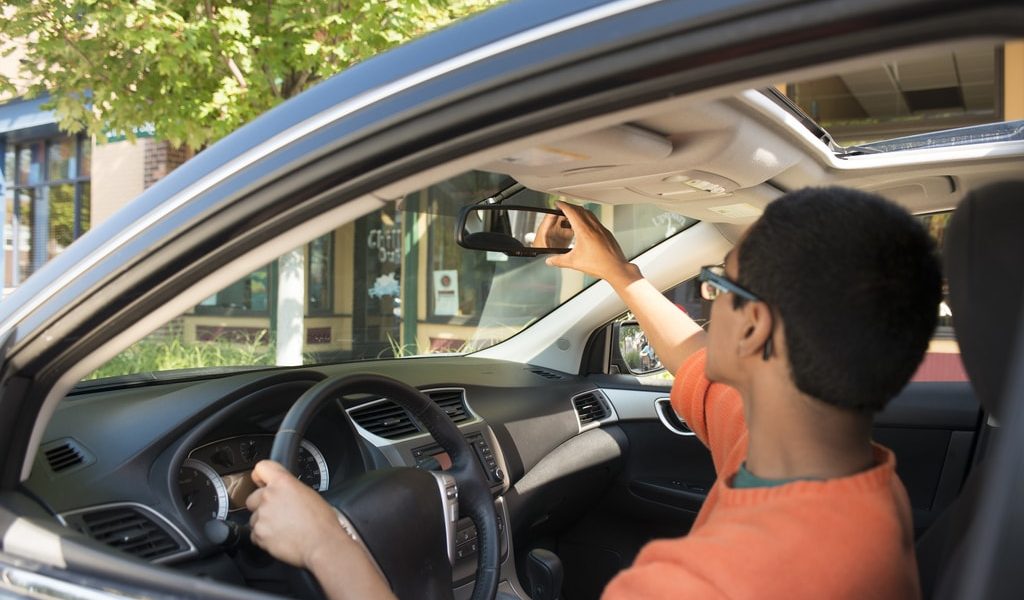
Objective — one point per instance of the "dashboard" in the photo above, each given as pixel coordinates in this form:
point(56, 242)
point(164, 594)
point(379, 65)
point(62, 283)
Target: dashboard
point(146, 469)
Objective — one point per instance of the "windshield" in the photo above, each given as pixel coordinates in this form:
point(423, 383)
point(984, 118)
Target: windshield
point(393, 283)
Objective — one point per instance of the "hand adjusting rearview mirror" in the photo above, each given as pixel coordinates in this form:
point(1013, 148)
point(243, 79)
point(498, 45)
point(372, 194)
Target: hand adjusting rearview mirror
point(514, 230)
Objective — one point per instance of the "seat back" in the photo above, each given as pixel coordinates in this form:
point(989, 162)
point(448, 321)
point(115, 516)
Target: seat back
point(984, 260)
point(985, 269)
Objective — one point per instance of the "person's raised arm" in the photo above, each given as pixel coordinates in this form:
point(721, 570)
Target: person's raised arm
point(674, 335)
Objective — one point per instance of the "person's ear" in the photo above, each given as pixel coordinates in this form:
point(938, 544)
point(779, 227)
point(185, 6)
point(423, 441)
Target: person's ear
point(757, 330)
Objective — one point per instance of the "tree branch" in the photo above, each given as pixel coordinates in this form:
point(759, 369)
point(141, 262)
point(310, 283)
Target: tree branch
point(232, 66)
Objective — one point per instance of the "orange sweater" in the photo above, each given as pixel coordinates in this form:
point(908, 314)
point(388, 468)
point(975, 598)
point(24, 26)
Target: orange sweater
point(849, 537)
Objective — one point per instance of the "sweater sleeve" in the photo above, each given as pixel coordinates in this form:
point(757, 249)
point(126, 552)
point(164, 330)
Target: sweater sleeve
point(660, 580)
point(714, 411)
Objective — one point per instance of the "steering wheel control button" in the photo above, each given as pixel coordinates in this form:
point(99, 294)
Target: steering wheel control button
point(466, 537)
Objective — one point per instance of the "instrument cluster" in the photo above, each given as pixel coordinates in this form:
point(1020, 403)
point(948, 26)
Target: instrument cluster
point(216, 478)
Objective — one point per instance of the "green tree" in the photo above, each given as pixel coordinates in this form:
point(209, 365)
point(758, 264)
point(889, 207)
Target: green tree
point(194, 70)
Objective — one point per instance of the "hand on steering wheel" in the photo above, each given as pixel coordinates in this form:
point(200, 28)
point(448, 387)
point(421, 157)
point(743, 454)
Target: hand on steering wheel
point(404, 517)
point(297, 526)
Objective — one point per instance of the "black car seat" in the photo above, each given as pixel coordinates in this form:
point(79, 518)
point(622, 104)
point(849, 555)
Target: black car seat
point(984, 260)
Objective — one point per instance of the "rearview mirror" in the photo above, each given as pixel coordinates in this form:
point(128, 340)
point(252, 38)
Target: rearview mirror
point(514, 230)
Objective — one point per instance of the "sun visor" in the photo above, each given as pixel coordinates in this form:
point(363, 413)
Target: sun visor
point(612, 146)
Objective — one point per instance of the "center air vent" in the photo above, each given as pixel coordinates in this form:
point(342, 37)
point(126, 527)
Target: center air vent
point(388, 420)
point(384, 418)
point(451, 402)
point(65, 454)
point(128, 528)
point(590, 407)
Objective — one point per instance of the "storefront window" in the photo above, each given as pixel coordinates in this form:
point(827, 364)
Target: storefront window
point(249, 296)
point(320, 264)
point(378, 283)
point(48, 201)
point(61, 157)
point(459, 282)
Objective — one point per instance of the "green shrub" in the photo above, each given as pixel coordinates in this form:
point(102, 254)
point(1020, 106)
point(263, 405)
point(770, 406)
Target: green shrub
point(164, 355)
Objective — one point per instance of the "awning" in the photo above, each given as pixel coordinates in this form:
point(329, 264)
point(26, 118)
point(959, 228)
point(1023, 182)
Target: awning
point(24, 114)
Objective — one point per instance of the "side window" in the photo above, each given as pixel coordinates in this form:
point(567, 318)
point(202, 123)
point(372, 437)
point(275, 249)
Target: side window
point(942, 360)
point(634, 349)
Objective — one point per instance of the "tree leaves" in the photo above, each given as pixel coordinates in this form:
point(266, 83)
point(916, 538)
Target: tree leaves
point(196, 70)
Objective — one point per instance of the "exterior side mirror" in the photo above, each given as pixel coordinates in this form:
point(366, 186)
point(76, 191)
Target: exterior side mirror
point(633, 354)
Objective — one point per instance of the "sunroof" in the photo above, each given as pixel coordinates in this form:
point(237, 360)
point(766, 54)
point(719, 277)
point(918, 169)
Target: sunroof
point(960, 86)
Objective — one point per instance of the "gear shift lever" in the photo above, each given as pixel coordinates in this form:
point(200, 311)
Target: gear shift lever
point(544, 569)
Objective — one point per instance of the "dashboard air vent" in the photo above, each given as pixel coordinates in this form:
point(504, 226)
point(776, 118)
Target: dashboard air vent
point(64, 454)
point(451, 402)
point(590, 408)
point(129, 529)
point(546, 374)
point(386, 419)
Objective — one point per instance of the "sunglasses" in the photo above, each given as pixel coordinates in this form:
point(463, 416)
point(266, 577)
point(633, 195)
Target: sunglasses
point(713, 283)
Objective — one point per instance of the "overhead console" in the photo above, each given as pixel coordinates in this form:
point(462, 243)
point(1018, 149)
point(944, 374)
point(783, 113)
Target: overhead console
point(709, 161)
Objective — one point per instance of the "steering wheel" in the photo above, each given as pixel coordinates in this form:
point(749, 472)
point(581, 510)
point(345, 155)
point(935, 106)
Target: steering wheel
point(405, 517)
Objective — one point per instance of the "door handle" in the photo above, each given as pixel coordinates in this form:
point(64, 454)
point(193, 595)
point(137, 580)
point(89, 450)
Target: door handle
point(669, 418)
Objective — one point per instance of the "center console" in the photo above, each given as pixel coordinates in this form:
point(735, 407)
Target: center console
point(422, 452)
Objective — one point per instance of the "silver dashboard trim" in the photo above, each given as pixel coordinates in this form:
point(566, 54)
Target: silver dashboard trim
point(30, 584)
point(446, 482)
point(663, 404)
point(634, 405)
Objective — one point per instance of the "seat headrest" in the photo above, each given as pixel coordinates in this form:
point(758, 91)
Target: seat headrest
point(984, 258)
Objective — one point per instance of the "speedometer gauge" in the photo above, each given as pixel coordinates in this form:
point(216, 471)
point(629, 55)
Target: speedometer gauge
point(312, 467)
point(202, 491)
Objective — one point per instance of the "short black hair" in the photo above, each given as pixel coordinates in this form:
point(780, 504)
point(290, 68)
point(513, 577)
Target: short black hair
point(856, 281)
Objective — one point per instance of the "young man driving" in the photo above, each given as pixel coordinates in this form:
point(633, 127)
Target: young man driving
point(820, 315)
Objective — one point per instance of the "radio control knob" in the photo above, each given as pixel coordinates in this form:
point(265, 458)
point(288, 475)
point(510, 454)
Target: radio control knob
point(498, 474)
